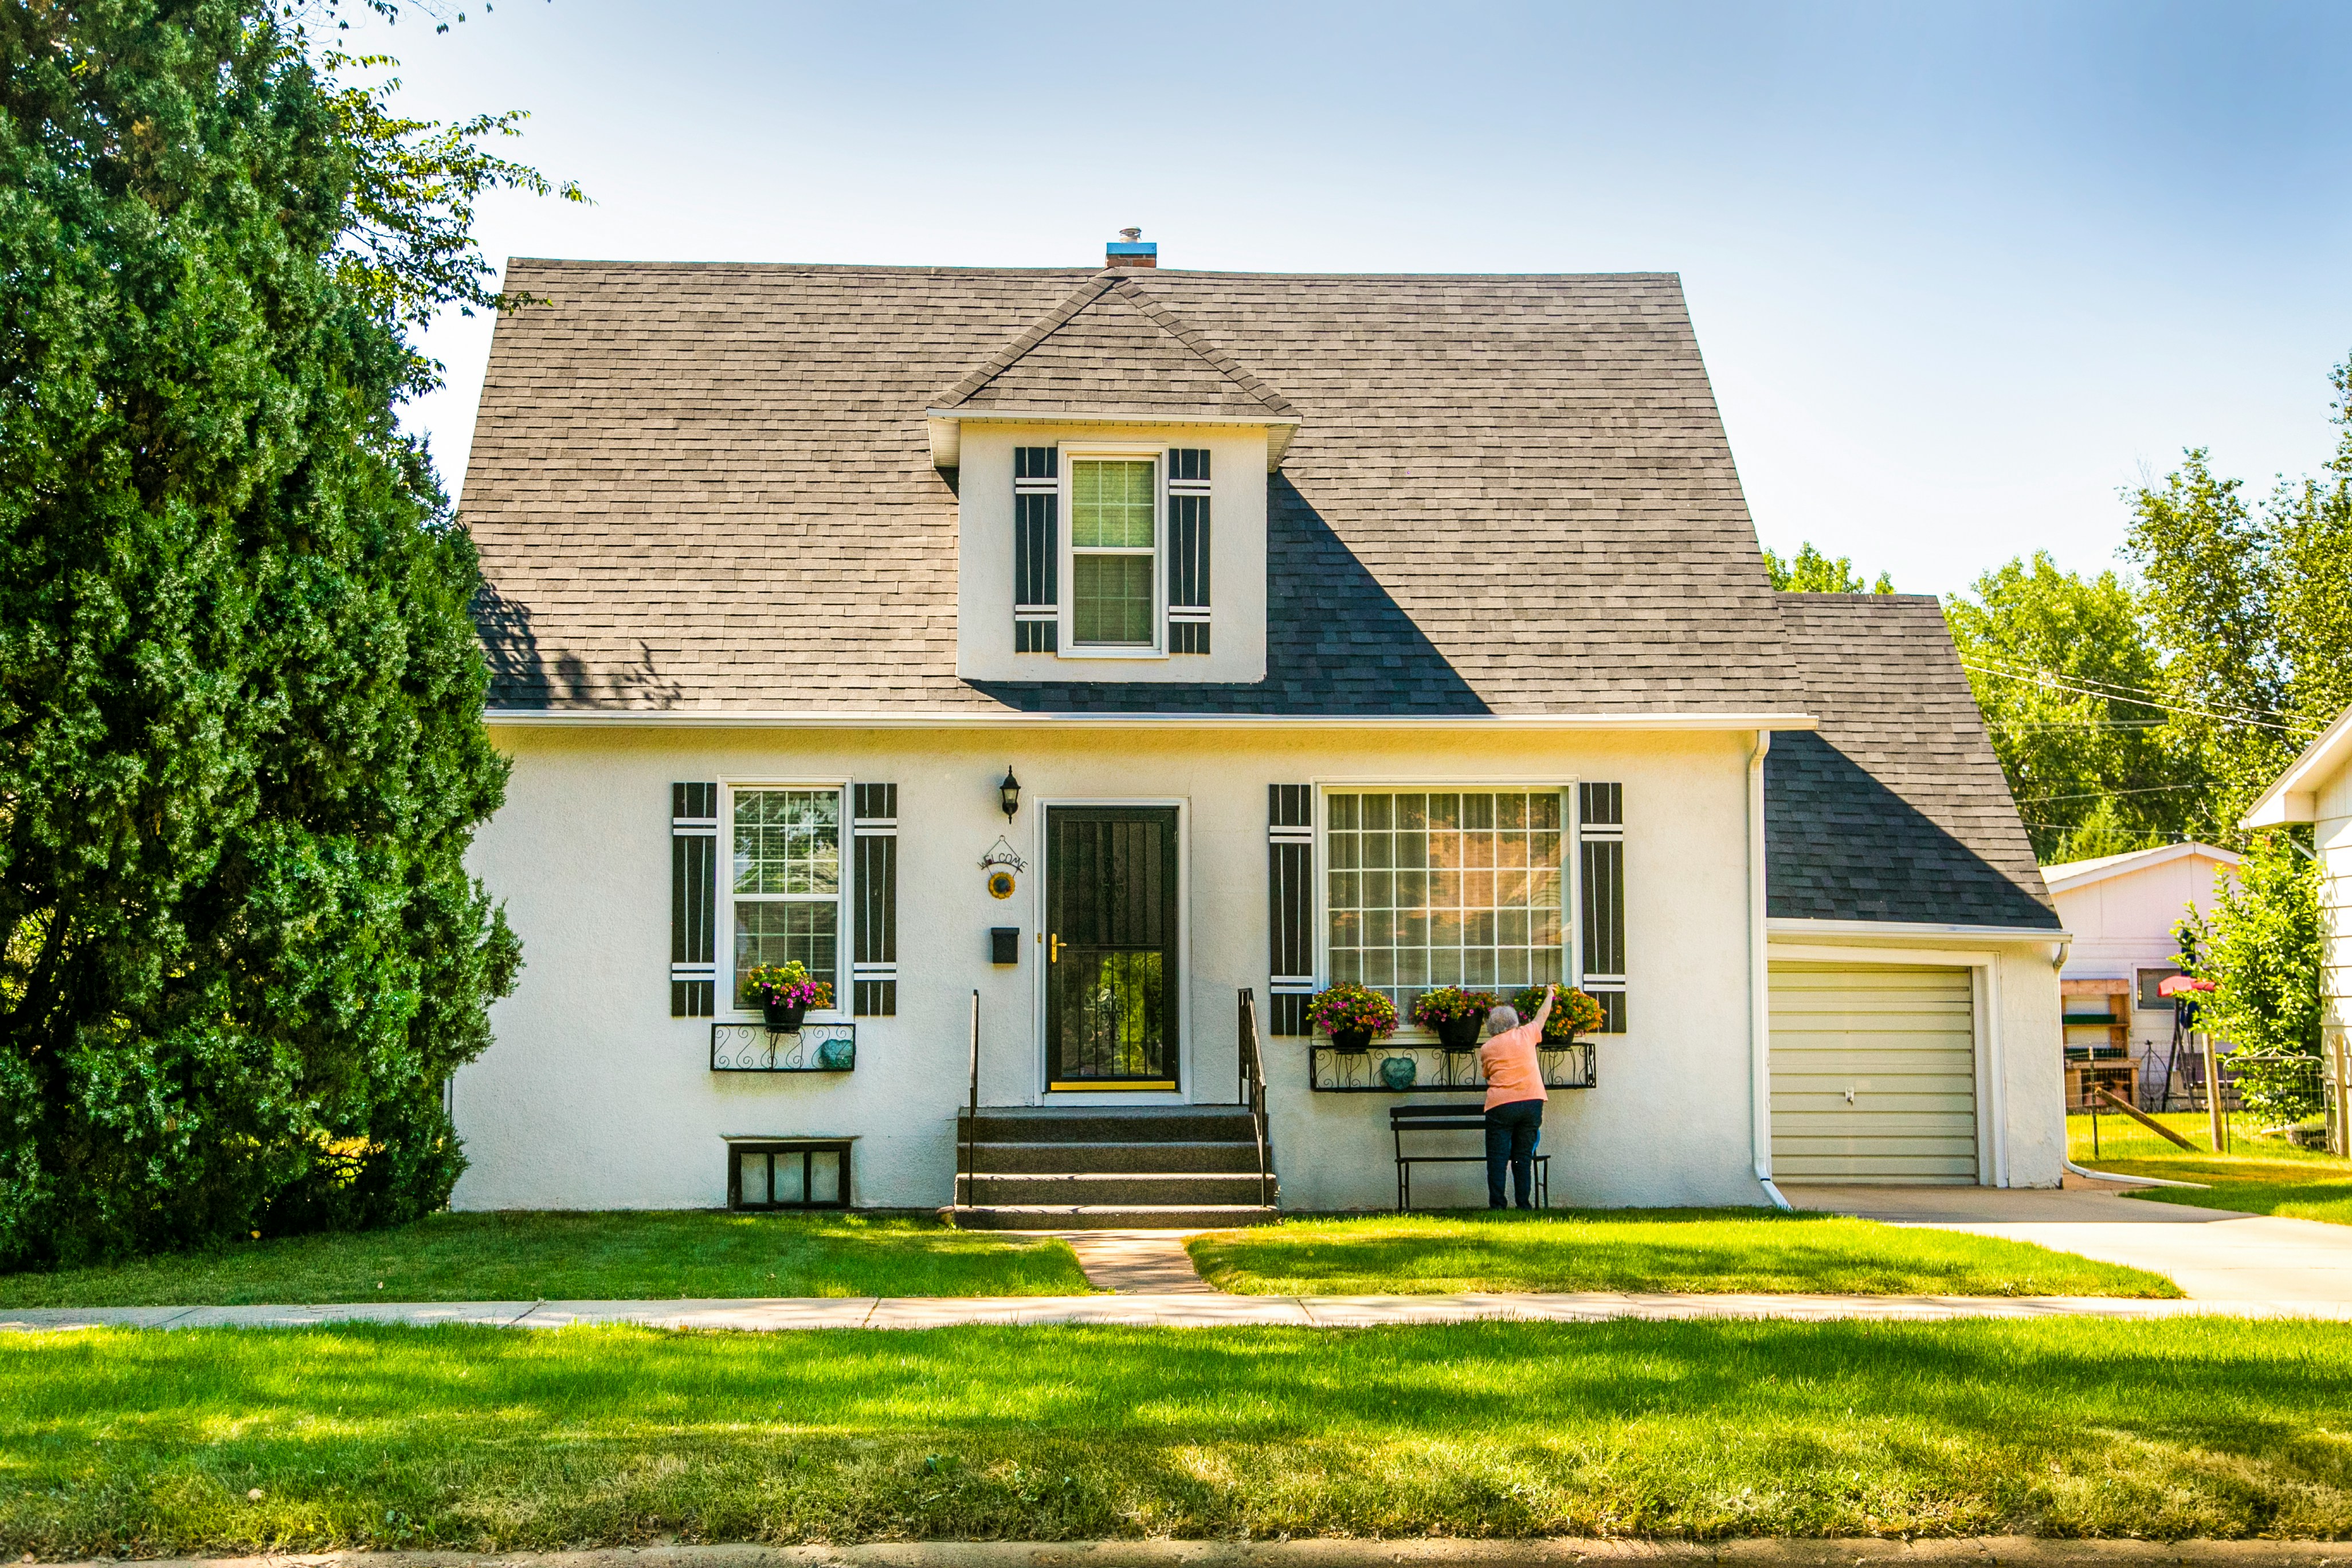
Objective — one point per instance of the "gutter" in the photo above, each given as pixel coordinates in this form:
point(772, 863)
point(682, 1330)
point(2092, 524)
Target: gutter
point(1760, 997)
point(842, 718)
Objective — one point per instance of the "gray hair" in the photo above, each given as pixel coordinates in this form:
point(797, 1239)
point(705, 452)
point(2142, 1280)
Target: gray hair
point(1501, 1020)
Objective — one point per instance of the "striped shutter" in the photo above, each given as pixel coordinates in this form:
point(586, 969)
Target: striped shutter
point(874, 900)
point(693, 899)
point(1290, 911)
point(1188, 550)
point(1601, 913)
point(1036, 548)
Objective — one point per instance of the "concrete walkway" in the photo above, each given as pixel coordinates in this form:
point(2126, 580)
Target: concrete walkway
point(1174, 1310)
point(2214, 1254)
point(1149, 1262)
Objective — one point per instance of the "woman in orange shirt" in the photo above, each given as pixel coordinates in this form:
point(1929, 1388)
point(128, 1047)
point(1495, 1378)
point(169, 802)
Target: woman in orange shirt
point(1514, 1099)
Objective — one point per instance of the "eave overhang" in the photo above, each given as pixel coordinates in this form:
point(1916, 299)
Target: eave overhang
point(836, 718)
point(946, 427)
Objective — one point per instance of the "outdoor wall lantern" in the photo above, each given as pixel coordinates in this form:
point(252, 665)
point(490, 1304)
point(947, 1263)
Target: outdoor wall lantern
point(1008, 793)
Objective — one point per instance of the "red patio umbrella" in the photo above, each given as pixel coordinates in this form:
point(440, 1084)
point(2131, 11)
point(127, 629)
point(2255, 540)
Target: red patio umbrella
point(2180, 983)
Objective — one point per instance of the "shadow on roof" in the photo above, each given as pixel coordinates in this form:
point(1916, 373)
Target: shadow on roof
point(1336, 643)
point(1840, 844)
point(522, 677)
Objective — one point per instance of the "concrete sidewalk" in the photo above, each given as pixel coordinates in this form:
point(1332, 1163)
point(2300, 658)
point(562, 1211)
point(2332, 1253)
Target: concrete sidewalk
point(1173, 1310)
point(2217, 1255)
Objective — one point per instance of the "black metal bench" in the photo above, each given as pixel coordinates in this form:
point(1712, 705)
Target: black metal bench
point(1404, 1119)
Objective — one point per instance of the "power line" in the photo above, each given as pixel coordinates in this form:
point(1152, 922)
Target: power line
point(2147, 695)
point(2050, 681)
point(2104, 794)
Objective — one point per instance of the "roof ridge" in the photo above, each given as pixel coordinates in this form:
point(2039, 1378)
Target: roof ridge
point(1005, 358)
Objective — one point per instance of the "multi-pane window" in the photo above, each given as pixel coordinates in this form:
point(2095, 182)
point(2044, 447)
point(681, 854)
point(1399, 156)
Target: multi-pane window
point(1444, 888)
point(1112, 539)
point(787, 879)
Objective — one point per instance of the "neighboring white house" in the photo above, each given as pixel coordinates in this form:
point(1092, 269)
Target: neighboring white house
point(2317, 789)
point(799, 577)
point(2119, 910)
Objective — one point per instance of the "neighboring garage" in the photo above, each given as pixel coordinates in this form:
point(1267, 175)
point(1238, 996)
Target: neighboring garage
point(1874, 1073)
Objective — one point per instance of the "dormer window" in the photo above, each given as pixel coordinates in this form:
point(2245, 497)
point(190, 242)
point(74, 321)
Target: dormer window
point(1114, 543)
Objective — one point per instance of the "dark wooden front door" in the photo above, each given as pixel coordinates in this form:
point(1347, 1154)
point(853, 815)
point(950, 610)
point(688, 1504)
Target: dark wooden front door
point(1110, 947)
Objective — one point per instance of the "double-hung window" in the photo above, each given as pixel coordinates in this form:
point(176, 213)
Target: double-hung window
point(1444, 888)
point(1114, 545)
point(786, 881)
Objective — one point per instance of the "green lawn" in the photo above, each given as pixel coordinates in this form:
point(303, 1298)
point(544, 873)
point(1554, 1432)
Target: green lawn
point(582, 1256)
point(2258, 1175)
point(129, 1444)
point(1697, 1250)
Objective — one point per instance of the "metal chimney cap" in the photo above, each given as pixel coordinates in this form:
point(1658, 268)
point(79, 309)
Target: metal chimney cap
point(1130, 235)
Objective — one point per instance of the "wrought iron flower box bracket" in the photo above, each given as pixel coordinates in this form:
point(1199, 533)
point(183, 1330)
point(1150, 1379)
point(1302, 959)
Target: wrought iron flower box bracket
point(1435, 1069)
point(755, 1047)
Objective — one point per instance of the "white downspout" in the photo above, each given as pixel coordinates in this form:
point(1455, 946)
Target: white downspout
point(1760, 995)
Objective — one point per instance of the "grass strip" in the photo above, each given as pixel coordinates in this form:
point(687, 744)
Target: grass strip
point(570, 1256)
point(2258, 1175)
point(125, 1444)
point(1703, 1251)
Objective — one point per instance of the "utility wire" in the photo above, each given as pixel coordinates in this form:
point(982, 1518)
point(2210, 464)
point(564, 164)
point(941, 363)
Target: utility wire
point(2049, 681)
point(2146, 695)
point(2103, 794)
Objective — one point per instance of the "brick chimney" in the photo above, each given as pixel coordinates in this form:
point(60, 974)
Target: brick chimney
point(1130, 249)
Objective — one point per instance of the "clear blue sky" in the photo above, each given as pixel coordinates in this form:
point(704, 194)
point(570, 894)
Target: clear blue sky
point(1960, 272)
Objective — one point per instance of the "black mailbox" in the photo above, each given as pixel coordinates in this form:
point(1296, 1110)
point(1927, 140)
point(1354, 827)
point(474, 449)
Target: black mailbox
point(1004, 944)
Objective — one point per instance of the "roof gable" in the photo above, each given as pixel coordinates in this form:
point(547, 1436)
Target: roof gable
point(1109, 347)
point(2070, 874)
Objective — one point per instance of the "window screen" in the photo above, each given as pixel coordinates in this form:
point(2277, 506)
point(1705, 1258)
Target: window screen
point(787, 880)
point(1444, 888)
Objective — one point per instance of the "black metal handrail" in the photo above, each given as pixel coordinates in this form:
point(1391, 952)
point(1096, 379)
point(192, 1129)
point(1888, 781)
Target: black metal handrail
point(972, 1112)
point(1254, 1081)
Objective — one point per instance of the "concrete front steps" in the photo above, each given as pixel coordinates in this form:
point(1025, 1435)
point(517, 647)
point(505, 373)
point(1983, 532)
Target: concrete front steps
point(1174, 1167)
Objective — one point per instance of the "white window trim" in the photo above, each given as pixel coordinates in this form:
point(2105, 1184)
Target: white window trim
point(1571, 945)
point(1066, 643)
point(731, 992)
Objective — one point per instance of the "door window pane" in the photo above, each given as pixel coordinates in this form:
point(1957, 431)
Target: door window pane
point(1486, 912)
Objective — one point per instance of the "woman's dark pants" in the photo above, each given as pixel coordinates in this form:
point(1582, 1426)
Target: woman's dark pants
point(1512, 1132)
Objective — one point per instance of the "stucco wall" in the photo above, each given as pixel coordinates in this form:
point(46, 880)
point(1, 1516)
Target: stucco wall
point(593, 1097)
point(1237, 556)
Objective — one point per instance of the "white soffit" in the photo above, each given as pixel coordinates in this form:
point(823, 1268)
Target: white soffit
point(2295, 797)
point(824, 718)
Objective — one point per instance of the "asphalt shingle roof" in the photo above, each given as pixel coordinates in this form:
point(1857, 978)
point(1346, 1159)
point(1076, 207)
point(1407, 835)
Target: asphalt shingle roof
point(1895, 809)
point(709, 486)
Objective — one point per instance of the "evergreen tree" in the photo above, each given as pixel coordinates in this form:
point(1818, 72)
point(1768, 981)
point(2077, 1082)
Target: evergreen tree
point(241, 748)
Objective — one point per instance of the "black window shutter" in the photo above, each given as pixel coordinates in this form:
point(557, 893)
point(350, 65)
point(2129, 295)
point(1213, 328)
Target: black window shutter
point(1036, 548)
point(1601, 872)
point(1188, 550)
point(874, 900)
point(693, 899)
point(1290, 904)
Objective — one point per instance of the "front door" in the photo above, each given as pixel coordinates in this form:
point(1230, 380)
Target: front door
point(1110, 947)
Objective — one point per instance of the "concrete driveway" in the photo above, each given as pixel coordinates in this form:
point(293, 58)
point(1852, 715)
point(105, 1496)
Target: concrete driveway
point(2214, 1254)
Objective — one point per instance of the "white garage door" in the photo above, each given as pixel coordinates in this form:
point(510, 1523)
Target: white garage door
point(1873, 1074)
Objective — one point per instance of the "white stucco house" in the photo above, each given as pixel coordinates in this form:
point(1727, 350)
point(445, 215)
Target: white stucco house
point(2317, 789)
point(1118, 655)
point(2119, 910)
